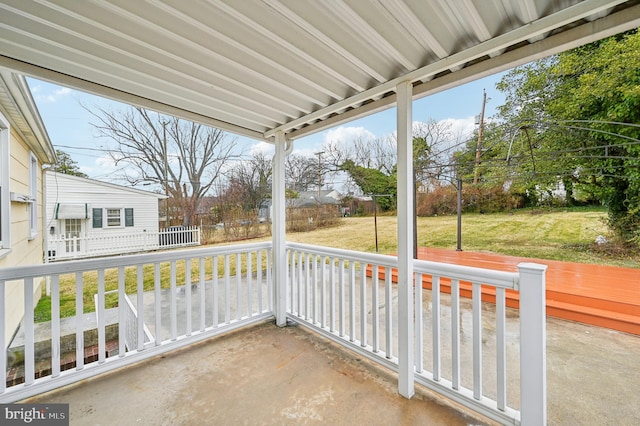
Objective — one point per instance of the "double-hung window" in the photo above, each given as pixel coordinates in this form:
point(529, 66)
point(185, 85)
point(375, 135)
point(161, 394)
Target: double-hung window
point(112, 217)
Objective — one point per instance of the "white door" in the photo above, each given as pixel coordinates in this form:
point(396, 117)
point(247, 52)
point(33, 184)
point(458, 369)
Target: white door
point(72, 233)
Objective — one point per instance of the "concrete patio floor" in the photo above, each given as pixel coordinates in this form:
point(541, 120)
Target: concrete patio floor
point(269, 375)
point(256, 376)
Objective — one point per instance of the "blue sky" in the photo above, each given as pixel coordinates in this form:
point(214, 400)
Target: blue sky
point(69, 128)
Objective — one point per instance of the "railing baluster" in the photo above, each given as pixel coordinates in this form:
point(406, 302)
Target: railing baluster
point(140, 306)
point(249, 285)
point(435, 313)
point(363, 304)
point(306, 285)
point(202, 286)
point(187, 294)
point(157, 296)
point(122, 314)
point(341, 297)
point(227, 290)
point(352, 301)
point(293, 270)
point(374, 308)
point(214, 275)
point(314, 294)
point(238, 285)
point(269, 280)
point(477, 340)
point(101, 320)
point(259, 281)
point(29, 333)
point(173, 303)
point(323, 294)
point(55, 325)
point(501, 349)
point(300, 267)
point(388, 312)
point(332, 296)
point(79, 322)
point(419, 325)
point(455, 334)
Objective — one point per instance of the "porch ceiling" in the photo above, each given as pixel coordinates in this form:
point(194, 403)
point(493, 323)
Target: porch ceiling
point(255, 67)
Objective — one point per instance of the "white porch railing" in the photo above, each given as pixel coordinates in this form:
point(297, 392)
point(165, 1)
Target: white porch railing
point(60, 247)
point(465, 349)
point(179, 297)
point(349, 297)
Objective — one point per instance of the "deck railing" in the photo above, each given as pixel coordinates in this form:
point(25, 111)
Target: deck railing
point(177, 298)
point(61, 247)
point(351, 298)
point(329, 291)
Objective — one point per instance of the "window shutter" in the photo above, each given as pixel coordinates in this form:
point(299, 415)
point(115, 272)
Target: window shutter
point(97, 218)
point(128, 217)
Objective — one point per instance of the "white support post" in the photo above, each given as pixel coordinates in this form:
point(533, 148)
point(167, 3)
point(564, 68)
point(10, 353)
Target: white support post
point(406, 386)
point(279, 232)
point(533, 344)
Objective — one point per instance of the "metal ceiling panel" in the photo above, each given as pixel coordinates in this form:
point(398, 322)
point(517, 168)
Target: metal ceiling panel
point(255, 67)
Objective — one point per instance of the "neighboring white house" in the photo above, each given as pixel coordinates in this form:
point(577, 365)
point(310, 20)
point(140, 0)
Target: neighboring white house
point(87, 217)
point(24, 148)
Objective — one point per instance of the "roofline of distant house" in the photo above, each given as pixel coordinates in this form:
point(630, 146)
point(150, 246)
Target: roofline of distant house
point(109, 185)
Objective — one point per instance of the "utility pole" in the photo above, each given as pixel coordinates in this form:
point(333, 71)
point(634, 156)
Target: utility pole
point(319, 154)
point(479, 149)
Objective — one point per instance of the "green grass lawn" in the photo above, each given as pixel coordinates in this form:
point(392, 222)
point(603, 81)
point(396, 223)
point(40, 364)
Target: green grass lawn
point(566, 235)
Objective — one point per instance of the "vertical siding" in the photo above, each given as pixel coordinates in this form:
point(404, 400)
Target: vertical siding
point(24, 250)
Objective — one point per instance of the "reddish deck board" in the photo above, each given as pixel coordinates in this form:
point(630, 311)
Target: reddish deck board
point(605, 296)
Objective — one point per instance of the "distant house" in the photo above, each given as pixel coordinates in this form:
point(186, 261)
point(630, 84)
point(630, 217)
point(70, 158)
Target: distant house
point(305, 199)
point(87, 217)
point(315, 198)
point(24, 148)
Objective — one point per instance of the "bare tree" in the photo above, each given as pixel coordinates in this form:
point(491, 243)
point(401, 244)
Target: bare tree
point(252, 179)
point(184, 158)
point(301, 172)
point(432, 141)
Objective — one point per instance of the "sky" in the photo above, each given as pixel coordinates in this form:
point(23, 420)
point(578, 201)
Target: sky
point(69, 124)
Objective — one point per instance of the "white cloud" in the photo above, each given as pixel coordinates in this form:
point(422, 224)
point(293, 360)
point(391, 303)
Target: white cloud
point(42, 96)
point(347, 134)
point(262, 147)
point(460, 127)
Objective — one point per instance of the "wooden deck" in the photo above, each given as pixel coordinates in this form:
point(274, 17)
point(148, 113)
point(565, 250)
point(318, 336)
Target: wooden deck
point(604, 296)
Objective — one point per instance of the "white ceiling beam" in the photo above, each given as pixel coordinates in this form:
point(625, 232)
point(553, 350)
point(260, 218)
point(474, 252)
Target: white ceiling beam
point(257, 56)
point(472, 17)
point(114, 74)
point(264, 32)
point(122, 96)
point(401, 12)
point(281, 87)
point(363, 28)
point(323, 38)
point(572, 38)
point(548, 23)
point(83, 58)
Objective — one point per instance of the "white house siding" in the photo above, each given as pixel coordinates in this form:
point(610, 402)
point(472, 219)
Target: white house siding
point(25, 249)
point(67, 190)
